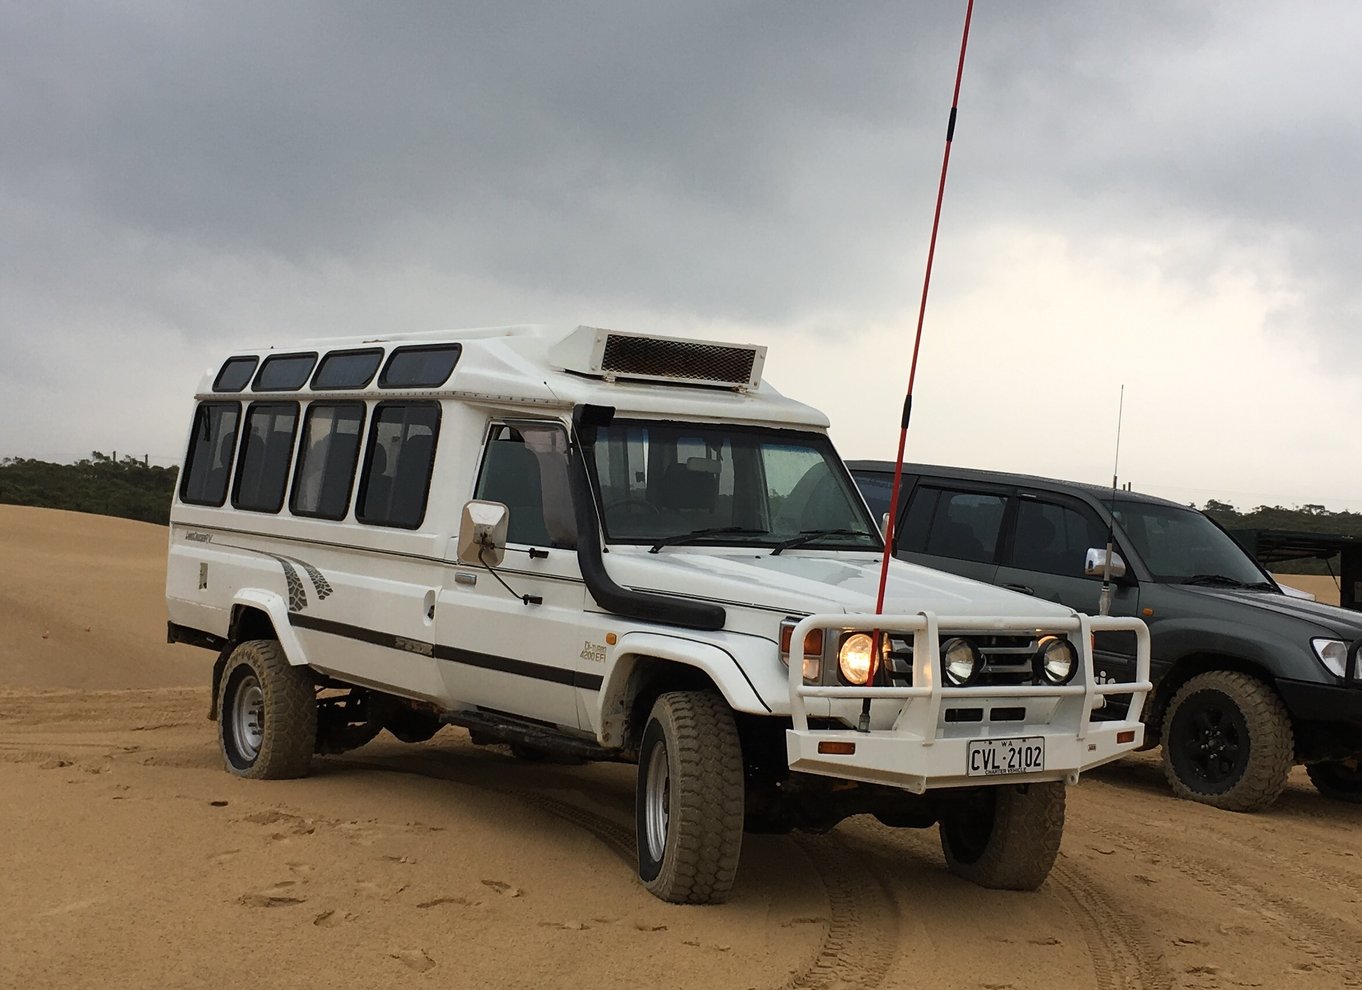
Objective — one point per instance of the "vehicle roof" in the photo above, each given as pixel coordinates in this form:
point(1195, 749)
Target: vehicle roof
point(512, 366)
point(1082, 489)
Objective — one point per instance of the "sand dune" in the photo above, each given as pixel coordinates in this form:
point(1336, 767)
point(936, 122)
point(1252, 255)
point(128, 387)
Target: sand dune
point(132, 860)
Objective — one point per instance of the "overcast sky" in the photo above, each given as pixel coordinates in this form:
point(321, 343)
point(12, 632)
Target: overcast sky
point(1158, 195)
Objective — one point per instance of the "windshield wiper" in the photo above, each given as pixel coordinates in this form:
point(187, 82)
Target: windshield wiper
point(698, 534)
point(810, 535)
point(1221, 579)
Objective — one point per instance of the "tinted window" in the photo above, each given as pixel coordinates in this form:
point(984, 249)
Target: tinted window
point(208, 461)
point(347, 369)
point(1178, 543)
point(877, 489)
point(266, 450)
point(419, 367)
point(959, 524)
point(235, 373)
point(397, 464)
point(1054, 538)
point(526, 469)
point(284, 372)
point(327, 459)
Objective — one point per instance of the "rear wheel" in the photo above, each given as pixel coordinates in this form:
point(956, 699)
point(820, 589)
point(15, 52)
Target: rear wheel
point(1338, 779)
point(267, 723)
point(1227, 742)
point(689, 803)
point(1005, 837)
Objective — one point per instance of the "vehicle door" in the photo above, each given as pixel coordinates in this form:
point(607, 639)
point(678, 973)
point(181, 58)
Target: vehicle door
point(1045, 556)
point(509, 636)
point(954, 526)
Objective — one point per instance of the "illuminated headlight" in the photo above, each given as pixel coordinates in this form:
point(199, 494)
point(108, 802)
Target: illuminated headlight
point(856, 657)
point(1056, 660)
point(813, 650)
point(1333, 653)
point(960, 662)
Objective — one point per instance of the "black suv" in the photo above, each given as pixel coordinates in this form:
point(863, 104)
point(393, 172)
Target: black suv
point(1247, 680)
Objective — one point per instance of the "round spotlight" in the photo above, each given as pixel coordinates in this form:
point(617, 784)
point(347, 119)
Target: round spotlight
point(1056, 660)
point(960, 661)
point(856, 658)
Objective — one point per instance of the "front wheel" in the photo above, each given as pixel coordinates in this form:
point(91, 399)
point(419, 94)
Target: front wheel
point(689, 802)
point(1338, 779)
point(1005, 837)
point(1227, 742)
point(267, 723)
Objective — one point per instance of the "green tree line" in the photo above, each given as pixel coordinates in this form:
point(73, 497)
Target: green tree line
point(1308, 518)
point(102, 484)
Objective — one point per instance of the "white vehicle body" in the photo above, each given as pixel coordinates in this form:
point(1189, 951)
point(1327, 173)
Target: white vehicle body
point(536, 644)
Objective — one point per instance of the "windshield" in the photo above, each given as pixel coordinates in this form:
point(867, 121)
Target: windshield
point(674, 483)
point(1180, 545)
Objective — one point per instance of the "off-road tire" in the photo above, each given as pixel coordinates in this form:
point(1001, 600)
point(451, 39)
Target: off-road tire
point(1340, 780)
point(1005, 837)
point(699, 834)
point(286, 719)
point(1227, 742)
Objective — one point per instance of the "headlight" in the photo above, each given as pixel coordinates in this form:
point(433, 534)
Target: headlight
point(1333, 653)
point(813, 650)
point(856, 657)
point(960, 662)
point(1056, 660)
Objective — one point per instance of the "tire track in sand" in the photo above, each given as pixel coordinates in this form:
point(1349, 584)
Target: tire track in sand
point(1123, 957)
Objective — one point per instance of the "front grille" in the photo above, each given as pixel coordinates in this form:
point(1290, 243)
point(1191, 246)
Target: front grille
point(1007, 660)
point(680, 359)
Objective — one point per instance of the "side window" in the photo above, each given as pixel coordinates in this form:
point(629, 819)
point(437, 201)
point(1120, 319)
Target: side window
point(327, 458)
point(525, 467)
point(1054, 538)
point(876, 488)
point(959, 524)
point(266, 452)
point(398, 463)
point(208, 461)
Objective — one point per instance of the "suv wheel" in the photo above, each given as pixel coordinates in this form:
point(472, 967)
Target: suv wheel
point(1338, 779)
point(1005, 837)
point(1227, 742)
point(267, 722)
point(689, 803)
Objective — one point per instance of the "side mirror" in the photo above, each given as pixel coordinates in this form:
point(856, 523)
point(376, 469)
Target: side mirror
point(1097, 561)
point(884, 523)
point(482, 533)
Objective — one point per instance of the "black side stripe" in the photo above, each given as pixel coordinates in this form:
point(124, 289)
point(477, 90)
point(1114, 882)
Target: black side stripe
point(470, 658)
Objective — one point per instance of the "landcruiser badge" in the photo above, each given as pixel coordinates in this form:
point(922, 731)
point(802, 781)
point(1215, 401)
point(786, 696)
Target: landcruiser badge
point(594, 652)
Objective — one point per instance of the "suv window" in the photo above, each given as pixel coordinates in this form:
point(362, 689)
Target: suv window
point(1054, 538)
point(952, 523)
point(327, 459)
point(397, 464)
point(208, 462)
point(266, 450)
point(526, 469)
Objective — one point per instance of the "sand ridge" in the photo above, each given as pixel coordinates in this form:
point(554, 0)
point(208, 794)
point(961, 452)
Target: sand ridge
point(133, 860)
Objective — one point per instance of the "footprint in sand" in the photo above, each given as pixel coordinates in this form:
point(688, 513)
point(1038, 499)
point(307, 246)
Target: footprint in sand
point(280, 895)
point(502, 887)
point(413, 959)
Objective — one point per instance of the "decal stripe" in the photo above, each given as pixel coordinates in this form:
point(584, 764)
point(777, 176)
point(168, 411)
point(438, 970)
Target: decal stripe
point(453, 654)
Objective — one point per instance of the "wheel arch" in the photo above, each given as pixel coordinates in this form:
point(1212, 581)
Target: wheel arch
point(256, 614)
point(645, 666)
point(1187, 667)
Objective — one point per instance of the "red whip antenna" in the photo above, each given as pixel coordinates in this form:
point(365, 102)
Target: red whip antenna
point(917, 344)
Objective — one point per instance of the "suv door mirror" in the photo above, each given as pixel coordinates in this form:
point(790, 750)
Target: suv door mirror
point(1097, 561)
point(884, 523)
point(482, 533)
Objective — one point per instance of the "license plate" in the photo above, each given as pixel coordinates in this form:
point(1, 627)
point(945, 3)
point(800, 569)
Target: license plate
point(991, 757)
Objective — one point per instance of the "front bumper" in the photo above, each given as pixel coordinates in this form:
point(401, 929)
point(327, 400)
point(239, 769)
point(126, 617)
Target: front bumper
point(921, 750)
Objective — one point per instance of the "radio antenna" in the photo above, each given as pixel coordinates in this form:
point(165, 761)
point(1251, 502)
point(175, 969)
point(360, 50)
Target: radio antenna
point(1104, 603)
point(864, 724)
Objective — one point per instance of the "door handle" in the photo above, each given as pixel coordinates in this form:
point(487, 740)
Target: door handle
point(1024, 589)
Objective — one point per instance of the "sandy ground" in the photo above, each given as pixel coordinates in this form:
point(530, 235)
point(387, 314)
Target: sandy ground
point(130, 859)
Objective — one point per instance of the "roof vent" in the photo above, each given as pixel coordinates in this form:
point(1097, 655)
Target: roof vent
point(611, 354)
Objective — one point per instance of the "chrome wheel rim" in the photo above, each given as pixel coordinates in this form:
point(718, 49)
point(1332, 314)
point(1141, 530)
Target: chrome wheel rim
point(248, 717)
point(658, 797)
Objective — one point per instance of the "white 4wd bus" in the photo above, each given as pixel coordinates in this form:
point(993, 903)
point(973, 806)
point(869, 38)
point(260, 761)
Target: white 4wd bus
point(606, 546)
